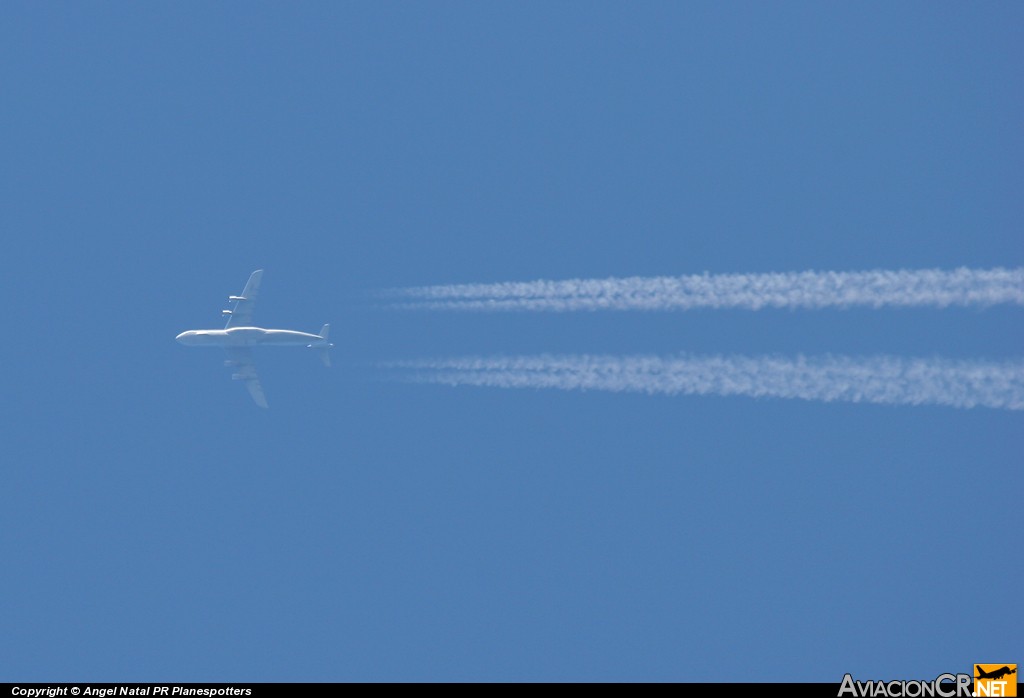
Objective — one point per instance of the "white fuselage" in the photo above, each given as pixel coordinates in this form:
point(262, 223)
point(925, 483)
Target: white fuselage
point(250, 337)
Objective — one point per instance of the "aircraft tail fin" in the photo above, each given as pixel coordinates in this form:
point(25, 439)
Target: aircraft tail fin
point(325, 348)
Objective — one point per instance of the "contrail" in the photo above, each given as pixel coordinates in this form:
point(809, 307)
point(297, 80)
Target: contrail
point(809, 289)
point(887, 380)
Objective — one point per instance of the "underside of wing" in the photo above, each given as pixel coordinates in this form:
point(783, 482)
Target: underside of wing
point(245, 305)
point(256, 390)
point(244, 369)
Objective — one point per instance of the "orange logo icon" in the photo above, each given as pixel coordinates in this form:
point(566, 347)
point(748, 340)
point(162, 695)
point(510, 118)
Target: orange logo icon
point(995, 680)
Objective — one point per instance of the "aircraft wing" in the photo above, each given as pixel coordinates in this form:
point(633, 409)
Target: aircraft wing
point(241, 362)
point(245, 305)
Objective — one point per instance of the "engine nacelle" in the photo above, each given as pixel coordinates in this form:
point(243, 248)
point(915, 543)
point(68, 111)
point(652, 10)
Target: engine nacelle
point(241, 376)
point(237, 298)
point(226, 312)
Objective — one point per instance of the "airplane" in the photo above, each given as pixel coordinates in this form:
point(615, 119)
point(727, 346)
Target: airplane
point(994, 674)
point(239, 336)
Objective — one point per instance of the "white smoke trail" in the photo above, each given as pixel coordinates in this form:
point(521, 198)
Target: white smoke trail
point(880, 379)
point(809, 289)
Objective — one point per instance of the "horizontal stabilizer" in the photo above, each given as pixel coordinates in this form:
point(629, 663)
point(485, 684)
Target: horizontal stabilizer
point(325, 355)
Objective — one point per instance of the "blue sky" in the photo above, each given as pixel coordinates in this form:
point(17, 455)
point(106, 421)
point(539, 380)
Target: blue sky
point(158, 526)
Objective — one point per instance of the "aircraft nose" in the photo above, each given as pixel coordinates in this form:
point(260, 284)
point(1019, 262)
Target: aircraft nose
point(181, 337)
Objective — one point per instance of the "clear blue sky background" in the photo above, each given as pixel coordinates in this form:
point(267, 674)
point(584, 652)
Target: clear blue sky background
point(156, 525)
